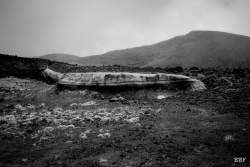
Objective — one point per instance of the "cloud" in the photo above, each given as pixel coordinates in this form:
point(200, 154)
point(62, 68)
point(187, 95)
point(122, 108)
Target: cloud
point(87, 27)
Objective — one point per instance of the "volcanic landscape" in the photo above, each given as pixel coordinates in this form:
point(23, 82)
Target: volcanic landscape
point(43, 126)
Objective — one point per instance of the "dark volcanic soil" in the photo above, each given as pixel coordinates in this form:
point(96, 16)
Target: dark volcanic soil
point(40, 126)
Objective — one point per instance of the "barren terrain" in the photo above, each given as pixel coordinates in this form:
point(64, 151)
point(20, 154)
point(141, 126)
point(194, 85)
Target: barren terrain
point(42, 126)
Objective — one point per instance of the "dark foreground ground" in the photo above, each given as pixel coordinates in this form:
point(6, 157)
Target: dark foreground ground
point(40, 126)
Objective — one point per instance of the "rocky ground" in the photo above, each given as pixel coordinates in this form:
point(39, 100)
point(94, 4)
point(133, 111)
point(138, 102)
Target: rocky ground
point(41, 126)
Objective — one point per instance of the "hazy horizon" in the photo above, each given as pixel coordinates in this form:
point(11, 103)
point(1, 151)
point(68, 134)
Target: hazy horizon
point(88, 27)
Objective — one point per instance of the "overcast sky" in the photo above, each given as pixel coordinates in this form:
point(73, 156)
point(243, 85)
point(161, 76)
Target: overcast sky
point(88, 27)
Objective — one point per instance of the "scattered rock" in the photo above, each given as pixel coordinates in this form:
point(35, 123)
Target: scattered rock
point(42, 105)
point(83, 92)
point(69, 142)
point(197, 85)
point(9, 119)
point(42, 123)
point(117, 98)
point(30, 106)
point(229, 138)
point(103, 161)
point(89, 103)
point(104, 135)
point(159, 97)
point(48, 130)
point(20, 107)
point(133, 120)
point(73, 105)
point(63, 127)
point(57, 110)
point(76, 105)
point(83, 135)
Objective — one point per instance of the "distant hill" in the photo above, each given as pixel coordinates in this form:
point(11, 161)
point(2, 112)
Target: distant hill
point(61, 57)
point(197, 48)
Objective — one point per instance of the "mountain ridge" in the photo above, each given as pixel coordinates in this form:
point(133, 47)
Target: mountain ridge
point(196, 48)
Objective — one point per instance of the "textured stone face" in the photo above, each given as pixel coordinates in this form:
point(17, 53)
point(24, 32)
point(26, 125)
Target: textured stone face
point(115, 78)
point(55, 76)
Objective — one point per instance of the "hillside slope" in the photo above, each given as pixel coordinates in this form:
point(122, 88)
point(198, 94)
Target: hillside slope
point(197, 48)
point(61, 57)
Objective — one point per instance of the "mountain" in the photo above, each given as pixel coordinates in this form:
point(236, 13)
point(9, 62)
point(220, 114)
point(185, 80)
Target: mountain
point(62, 58)
point(197, 48)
